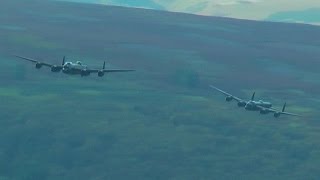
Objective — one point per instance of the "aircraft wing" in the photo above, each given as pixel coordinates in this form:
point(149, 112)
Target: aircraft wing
point(272, 110)
point(117, 70)
point(33, 60)
point(110, 70)
point(227, 94)
point(290, 114)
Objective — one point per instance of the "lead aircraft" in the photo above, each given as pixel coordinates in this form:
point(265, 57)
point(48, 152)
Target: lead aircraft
point(252, 105)
point(72, 68)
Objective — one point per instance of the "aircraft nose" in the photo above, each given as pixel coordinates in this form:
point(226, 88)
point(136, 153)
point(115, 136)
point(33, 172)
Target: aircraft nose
point(65, 68)
point(248, 106)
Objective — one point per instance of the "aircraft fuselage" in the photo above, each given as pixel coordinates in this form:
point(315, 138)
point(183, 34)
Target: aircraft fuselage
point(256, 105)
point(75, 69)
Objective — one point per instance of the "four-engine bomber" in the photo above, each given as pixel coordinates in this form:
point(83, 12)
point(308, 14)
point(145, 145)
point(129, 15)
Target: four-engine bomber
point(252, 105)
point(72, 68)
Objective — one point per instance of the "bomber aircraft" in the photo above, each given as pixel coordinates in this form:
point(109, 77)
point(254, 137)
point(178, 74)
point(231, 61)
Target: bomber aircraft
point(252, 105)
point(72, 68)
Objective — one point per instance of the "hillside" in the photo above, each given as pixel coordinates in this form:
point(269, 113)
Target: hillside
point(162, 121)
point(284, 11)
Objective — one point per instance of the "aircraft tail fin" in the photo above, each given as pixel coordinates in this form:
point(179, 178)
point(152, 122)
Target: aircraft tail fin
point(104, 65)
point(284, 107)
point(252, 98)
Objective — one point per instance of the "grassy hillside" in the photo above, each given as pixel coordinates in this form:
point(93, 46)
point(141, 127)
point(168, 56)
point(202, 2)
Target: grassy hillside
point(286, 11)
point(162, 121)
point(307, 16)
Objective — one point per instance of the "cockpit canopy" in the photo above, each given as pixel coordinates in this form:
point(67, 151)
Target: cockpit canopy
point(79, 62)
point(67, 64)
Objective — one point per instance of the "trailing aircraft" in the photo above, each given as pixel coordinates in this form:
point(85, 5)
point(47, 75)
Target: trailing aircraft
point(73, 68)
point(251, 105)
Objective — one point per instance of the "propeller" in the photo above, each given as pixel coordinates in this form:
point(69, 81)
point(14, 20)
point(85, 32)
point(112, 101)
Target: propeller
point(63, 60)
point(101, 72)
point(252, 98)
point(284, 107)
point(277, 114)
point(58, 68)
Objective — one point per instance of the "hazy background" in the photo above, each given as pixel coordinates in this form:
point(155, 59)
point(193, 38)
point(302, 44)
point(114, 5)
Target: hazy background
point(307, 11)
point(162, 121)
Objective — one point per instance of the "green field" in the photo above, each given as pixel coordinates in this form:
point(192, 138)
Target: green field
point(162, 121)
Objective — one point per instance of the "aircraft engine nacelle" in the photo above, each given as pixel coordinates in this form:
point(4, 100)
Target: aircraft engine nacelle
point(229, 98)
point(264, 111)
point(56, 69)
point(84, 72)
point(242, 104)
point(276, 115)
point(100, 73)
point(38, 65)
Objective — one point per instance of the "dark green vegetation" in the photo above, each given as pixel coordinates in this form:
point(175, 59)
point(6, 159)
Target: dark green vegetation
point(161, 122)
